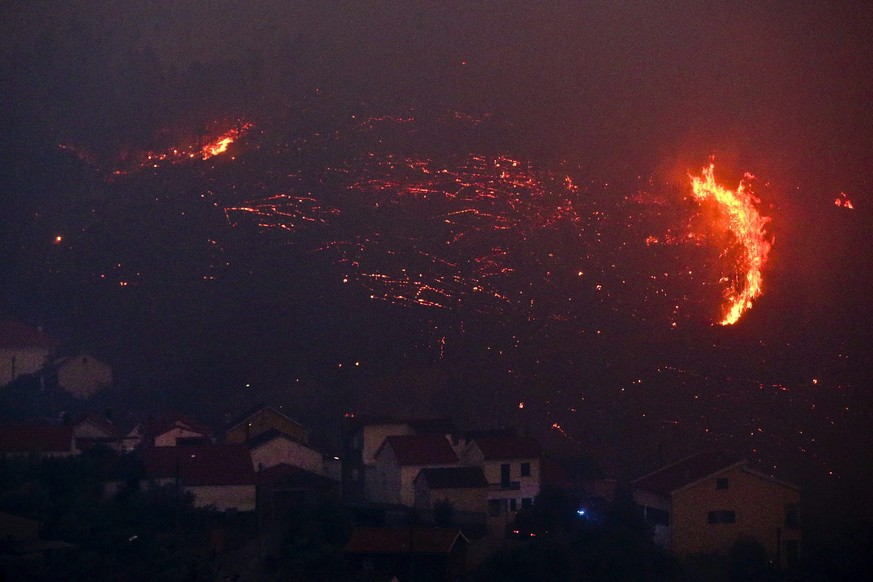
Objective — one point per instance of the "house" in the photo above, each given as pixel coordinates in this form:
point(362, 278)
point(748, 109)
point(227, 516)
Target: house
point(421, 554)
point(465, 488)
point(708, 501)
point(23, 350)
point(81, 375)
point(398, 462)
point(261, 419)
point(171, 430)
point(219, 476)
point(364, 436)
point(283, 487)
point(40, 441)
point(511, 465)
point(93, 430)
point(273, 447)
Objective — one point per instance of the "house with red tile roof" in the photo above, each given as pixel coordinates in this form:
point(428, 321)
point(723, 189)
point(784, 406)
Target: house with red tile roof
point(363, 437)
point(170, 430)
point(92, 429)
point(433, 554)
point(512, 466)
point(706, 502)
point(219, 476)
point(40, 441)
point(23, 350)
point(398, 462)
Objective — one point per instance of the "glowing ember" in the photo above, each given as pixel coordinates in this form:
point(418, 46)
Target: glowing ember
point(747, 225)
point(843, 201)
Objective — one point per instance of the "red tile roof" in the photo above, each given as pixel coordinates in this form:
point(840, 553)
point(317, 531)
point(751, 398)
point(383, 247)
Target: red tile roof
point(201, 465)
point(384, 540)
point(686, 471)
point(14, 334)
point(36, 439)
point(508, 447)
point(420, 449)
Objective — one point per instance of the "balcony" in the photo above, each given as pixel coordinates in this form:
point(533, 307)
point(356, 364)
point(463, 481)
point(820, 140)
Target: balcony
point(505, 486)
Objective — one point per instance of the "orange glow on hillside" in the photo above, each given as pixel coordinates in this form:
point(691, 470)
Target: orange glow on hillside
point(747, 225)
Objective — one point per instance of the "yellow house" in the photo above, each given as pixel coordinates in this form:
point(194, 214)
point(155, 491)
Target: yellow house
point(706, 502)
point(261, 419)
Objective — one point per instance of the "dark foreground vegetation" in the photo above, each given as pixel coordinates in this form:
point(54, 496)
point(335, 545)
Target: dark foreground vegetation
point(97, 522)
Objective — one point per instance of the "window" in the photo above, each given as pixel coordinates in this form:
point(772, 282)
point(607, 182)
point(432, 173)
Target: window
point(722, 483)
point(504, 475)
point(525, 469)
point(494, 507)
point(657, 516)
point(721, 516)
point(513, 506)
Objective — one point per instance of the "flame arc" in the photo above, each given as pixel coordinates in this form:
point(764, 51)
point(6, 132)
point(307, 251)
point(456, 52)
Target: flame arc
point(748, 226)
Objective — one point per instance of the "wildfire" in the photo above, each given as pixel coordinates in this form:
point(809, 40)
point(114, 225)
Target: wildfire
point(748, 226)
point(843, 201)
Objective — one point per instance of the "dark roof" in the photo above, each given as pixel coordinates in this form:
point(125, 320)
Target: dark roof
point(270, 434)
point(104, 424)
point(454, 478)
point(14, 334)
point(420, 449)
point(508, 447)
point(289, 476)
point(253, 411)
point(686, 471)
point(384, 540)
point(36, 439)
point(201, 464)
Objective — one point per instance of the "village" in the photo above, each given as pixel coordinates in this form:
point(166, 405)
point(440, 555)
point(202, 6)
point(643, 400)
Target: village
point(400, 498)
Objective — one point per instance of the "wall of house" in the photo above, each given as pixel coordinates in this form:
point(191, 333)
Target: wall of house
point(661, 533)
point(465, 499)
point(15, 362)
point(223, 497)
point(383, 478)
point(282, 450)
point(759, 505)
point(83, 376)
point(168, 439)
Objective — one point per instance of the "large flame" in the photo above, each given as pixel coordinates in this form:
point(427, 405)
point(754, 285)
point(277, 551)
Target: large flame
point(748, 226)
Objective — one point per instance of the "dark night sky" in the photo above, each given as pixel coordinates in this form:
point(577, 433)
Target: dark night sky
point(614, 90)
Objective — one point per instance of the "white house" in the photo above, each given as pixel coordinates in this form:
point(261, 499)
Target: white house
point(272, 447)
point(512, 467)
point(398, 462)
